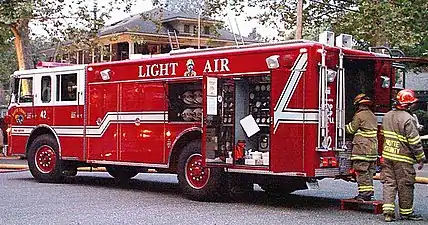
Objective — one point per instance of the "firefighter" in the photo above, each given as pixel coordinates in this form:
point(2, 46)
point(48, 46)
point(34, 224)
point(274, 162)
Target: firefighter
point(402, 149)
point(364, 150)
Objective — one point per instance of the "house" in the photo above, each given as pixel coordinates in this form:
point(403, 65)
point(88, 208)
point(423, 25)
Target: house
point(153, 32)
point(4, 101)
point(419, 83)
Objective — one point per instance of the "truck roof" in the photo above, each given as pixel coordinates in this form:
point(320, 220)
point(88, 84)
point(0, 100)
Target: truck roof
point(49, 70)
point(204, 52)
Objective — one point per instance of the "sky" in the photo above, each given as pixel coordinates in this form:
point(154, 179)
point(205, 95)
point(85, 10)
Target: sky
point(245, 27)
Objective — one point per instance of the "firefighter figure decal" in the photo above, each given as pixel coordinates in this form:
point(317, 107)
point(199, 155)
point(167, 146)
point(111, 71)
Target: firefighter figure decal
point(190, 69)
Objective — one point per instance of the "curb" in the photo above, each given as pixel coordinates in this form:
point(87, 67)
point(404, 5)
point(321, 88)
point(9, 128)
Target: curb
point(13, 167)
point(10, 157)
point(25, 167)
point(85, 169)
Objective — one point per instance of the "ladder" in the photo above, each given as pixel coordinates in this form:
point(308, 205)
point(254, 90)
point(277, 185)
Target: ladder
point(176, 45)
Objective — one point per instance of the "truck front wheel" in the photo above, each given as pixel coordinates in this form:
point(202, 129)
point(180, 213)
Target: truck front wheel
point(197, 182)
point(44, 161)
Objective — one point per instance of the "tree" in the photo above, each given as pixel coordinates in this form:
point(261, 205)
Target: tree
point(59, 17)
point(256, 36)
point(281, 14)
point(194, 6)
point(401, 24)
point(205, 7)
point(7, 57)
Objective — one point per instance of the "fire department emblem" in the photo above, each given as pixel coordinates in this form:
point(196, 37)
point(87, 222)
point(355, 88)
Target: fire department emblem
point(190, 69)
point(19, 119)
point(19, 115)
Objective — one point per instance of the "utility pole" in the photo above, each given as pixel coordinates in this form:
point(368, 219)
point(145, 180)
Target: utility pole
point(299, 19)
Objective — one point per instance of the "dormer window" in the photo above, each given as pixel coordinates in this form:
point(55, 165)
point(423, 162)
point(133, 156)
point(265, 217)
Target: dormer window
point(207, 30)
point(186, 28)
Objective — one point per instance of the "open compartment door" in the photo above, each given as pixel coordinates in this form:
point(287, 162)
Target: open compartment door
point(218, 120)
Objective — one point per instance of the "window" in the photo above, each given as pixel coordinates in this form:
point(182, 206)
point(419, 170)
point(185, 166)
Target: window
point(106, 53)
point(207, 30)
point(399, 78)
point(66, 87)
point(46, 89)
point(186, 28)
point(195, 29)
point(26, 90)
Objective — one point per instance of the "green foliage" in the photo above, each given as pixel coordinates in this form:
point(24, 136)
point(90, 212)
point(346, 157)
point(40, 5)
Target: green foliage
point(400, 23)
point(193, 6)
point(76, 21)
point(7, 57)
point(205, 7)
point(257, 36)
point(281, 14)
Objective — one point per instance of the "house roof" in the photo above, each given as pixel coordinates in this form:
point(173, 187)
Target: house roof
point(156, 22)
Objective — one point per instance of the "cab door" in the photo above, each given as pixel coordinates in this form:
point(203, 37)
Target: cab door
point(43, 99)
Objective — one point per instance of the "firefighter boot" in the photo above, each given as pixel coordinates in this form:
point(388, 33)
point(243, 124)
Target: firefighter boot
point(415, 217)
point(360, 197)
point(389, 218)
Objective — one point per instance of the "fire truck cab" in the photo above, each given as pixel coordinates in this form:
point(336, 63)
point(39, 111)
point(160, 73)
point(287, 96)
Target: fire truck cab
point(270, 114)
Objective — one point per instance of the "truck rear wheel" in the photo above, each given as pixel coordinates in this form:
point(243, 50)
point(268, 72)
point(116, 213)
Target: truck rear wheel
point(122, 173)
point(197, 182)
point(44, 160)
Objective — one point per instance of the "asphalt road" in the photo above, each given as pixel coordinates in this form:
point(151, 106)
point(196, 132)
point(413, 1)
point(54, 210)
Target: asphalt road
point(95, 198)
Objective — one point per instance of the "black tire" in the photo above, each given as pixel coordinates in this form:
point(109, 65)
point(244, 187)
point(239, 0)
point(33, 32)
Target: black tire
point(122, 173)
point(214, 188)
point(48, 170)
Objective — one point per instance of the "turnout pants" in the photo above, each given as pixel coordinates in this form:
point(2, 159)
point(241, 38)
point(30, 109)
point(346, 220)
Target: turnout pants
point(398, 177)
point(365, 171)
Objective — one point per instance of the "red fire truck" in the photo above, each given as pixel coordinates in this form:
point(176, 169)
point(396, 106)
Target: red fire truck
point(270, 114)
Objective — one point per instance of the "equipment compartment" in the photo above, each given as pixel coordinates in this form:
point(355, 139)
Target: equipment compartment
point(226, 139)
point(253, 94)
point(185, 102)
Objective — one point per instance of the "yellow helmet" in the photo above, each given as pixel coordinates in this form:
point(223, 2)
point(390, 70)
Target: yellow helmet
point(362, 99)
point(190, 62)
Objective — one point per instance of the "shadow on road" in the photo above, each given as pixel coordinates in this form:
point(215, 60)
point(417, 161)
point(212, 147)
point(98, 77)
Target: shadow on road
point(295, 201)
point(301, 202)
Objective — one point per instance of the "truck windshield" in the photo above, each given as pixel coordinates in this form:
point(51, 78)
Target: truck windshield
point(25, 90)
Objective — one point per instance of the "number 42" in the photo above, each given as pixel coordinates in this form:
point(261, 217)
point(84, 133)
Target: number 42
point(43, 114)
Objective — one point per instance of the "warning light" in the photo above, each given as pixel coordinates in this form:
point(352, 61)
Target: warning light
point(328, 162)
